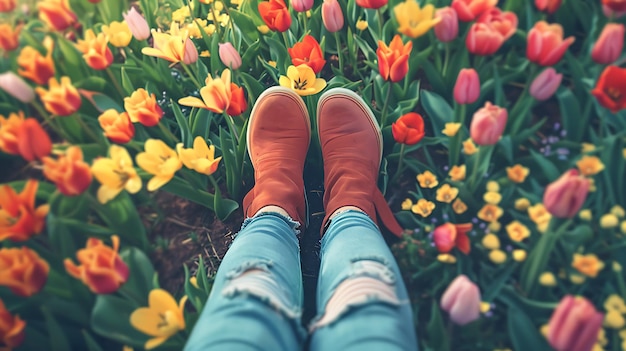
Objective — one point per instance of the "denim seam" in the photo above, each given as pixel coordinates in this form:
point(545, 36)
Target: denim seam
point(288, 220)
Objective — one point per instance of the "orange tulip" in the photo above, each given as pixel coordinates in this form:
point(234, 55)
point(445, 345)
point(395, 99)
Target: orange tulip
point(32, 141)
point(101, 268)
point(69, 172)
point(214, 96)
point(19, 219)
point(448, 235)
point(56, 14)
point(9, 130)
point(7, 5)
point(549, 6)
point(238, 102)
point(545, 44)
point(371, 4)
point(34, 66)
point(610, 90)
point(393, 60)
point(61, 98)
point(22, 271)
point(275, 14)
point(117, 126)
point(615, 5)
point(308, 52)
point(408, 129)
point(11, 328)
point(483, 39)
point(143, 108)
point(95, 50)
point(503, 22)
point(468, 10)
point(9, 36)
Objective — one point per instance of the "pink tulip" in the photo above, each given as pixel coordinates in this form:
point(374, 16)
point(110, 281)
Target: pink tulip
point(503, 22)
point(545, 84)
point(549, 6)
point(609, 45)
point(191, 52)
point(15, 86)
point(467, 86)
point(137, 24)
point(488, 124)
point(545, 44)
point(302, 5)
point(229, 55)
point(332, 15)
point(461, 300)
point(448, 28)
point(566, 195)
point(483, 39)
point(574, 325)
point(468, 10)
point(608, 12)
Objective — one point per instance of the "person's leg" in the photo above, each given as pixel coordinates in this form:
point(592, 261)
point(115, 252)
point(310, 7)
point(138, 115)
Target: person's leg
point(256, 300)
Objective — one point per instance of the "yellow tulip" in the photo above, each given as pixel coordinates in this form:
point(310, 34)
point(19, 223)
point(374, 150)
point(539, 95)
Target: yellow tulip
point(119, 33)
point(216, 94)
point(415, 21)
point(302, 80)
point(115, 174)
point(160, 161)
point(161, 319)
point(200, 158)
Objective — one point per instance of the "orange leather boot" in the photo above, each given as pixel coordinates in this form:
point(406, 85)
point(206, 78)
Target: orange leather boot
point(279, 133)
point(352, 150)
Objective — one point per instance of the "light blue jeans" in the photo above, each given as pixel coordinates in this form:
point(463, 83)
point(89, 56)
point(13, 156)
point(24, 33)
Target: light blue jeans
point(256, 299)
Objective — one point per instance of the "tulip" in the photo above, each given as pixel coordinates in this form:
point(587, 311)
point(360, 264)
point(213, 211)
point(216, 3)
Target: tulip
point(610, 90)
point(9, 36)
point(302, 5)
point(549, 6)
point(615, 5)
point(62, 98)
point(468, 10)
point(574, 325)
point(11, 328)
point(393, 60)
point(609, 45)
point(20, 218)
point(467, 86)
point(503, 22)
point(566, 195)
point(117, 126)
point(9, 130)
point(137, 24)
point(143, 108)
point(15, 86)
point(608, 12)
point(33, 141)
point(115, 174)
point(34, 66)
point(483, 39)
point(173, 47)
point(69, 173)
point(545, 84)
point(371, 4)
point(545, 44)
point(101, 268)
point(302, 80)
point(461, 300)
point(148, 320)
point(408, 129)
point(119, 33)
point(229, 55)
point(448, 235)
point(7, 5)
point(56, 14)
point(22, 271)
point(488, 124)
point(201, 158)
point(332, 16)
point(238, 102)
point(160, 161)
point(308, 52)
point(95, 50)
point(191, 52)
point(448, 28)
point(275, 14)
point(215, 95)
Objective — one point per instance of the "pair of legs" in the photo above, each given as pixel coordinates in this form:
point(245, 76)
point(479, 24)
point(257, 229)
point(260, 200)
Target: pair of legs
point(257, 296)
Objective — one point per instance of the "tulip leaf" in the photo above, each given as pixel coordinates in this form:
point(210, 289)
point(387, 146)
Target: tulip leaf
point(70, 60)
point(127, 83)
point(437, 109)
point(571, 115)
point(139, 281)
point(195, 295)
point(91, 83)
point(437, 336)
point(246, 24)
point(548, 168)
point(523, 332)
point(185, 132)
point(58, 339)
point(92, 344)
point(110, 318)
point(253, 86)
point(103, 103)
point(120, 214)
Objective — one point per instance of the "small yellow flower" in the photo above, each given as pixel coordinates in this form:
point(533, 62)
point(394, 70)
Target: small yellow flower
point(618, 211)
point(485, 307)
point(159, 160)
point(115, 174)
point(491, 241)
point(302, 80)
point(407, 204)
point(609, 220)
point(617, 267)
point(592, 185)
point(263, 29)
point(493, 186)
point(127, 348)
point(539, 214)
point(272, 63)
point(458, 206)
point(119, 34)
point(415, 21)
point(469, 148)
point(161, 319)
point(615, 302)
point(446, 193)
point(427, 180)
point(517, 231)
point(493, 198)
point(624, 152)
point(614, 320)
point(490, 213)
point(194, 281)
point(204, 53)
point(522, 204)
point(457, 173)
point(451, 129)
point(547, 279)
point(181, 14)
point(423, 207)
point(602, 340)
point(544, 330)
point(446, 258)
point(585, 214)
point(519, 255)
point(517, 173)
point(494, 226)
point(497, 256)
point(622, 227)
point(361, 25)
point(586, 148)
point(200, 158)
point(590, 165)
point(588, 265)
point(577, 278)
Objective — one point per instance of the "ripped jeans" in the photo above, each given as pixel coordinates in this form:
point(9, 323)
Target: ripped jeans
point(256, 299)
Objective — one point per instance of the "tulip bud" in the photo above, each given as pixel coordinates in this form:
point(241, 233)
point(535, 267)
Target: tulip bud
point(7, 5)
point(137, 24)
point(610, 13)
point(448, 28)
point(545, 84)
point(574, 325)
point(191, 52)
point(302, 5)
point(33, 142)
point(16, 87)
point(549, 6)
point(566, 195)
point(467, 86)
point(488, 124)
point(483, 39)
point(229, 55)
point(461, 300)
point(332, 15)
point(609, 45)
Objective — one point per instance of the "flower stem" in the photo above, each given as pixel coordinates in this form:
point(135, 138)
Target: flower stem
point(116, 84)
point(379, 12)
point(446, 60)
point(168, 133)
point(305, 24)
point(231, 126)
point(286, 39)
point(85, 127)
point(191, 75)
point(401, 158)
point(338, 40)
point(48, 120)
point(384, 111)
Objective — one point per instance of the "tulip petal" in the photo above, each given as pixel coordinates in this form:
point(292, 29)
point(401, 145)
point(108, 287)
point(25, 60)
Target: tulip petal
point(192, 102)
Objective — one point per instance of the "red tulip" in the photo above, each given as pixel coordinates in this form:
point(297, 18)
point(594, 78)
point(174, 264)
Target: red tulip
point(332, 16)
point(408, 129)
point(610, 90)
point(488, 124)
point(609, 45)
point(615, 5)
point(566, 195)
point(116, 126)
point(468, 10)
point(238, 102)
point(504, 22)
point(461, 300)
point(467, 86)
point(371, 4)
point(608, 12)
point(545, 84)
point(69, 172)
point(549, 6)
point(448, 235)
point(308, 52)
point(393, 60)
point(483, 39)
point(545, 44)
point(275, 14)
point(33, 142)
point(448, 28)
point(574, 325)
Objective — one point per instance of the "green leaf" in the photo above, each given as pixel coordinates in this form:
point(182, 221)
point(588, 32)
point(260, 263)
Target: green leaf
point(523, 332)
point(437, 109)
point(183, 125)
point(127, 83)
point(548, 168)
point(111, 318)
point(437, 336)
point(58, 339)
point(571, 115)
point(92, 83)
point(246, 24)
point(120, 214)
point(92, 345)
point(103, 103)
point(139, 283)
point(253, 86)
point(70, 60)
